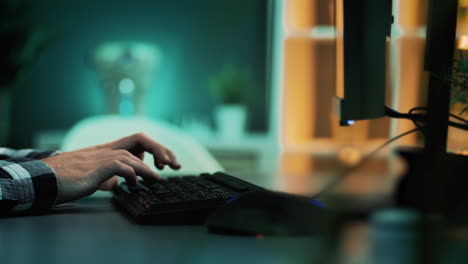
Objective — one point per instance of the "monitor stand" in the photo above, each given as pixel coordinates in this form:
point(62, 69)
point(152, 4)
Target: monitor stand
point(449, 199)
point(437, 181)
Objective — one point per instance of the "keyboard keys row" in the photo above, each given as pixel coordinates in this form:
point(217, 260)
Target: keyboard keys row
point(186, 189)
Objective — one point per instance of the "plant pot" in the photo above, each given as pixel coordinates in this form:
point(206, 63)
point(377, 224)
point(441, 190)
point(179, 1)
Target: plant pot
point(448, 196)
point(230, 121)
point(5, 116)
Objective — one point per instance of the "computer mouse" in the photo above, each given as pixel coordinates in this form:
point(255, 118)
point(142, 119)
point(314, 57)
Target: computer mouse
point(270, 213)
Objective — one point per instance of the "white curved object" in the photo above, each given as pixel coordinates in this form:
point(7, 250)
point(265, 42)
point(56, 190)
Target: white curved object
point(193, 157)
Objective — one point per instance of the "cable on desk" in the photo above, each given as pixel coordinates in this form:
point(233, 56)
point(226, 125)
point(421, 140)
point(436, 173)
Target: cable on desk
point(342, 175)
point(419, 121)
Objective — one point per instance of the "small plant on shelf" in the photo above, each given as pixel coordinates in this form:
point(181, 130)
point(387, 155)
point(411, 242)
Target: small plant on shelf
point(231, 85)
point(231, 88)
point(460, 85)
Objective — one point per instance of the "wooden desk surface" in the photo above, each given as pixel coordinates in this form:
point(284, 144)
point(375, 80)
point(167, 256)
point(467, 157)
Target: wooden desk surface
point(93, 231)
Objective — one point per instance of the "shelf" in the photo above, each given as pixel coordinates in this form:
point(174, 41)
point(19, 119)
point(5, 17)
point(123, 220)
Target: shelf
point(328, 33)
point(325, 33)
point(324, 147)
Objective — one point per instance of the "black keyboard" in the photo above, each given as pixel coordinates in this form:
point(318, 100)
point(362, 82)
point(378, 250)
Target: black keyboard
point(179, 200)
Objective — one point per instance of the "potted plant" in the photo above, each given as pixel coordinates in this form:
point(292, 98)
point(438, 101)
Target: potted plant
point(21, 42)
point(459, 102)
point(230, 87)
point(460, 86)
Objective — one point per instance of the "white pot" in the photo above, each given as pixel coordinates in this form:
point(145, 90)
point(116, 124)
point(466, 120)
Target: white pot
point(230, 121)
point(5, 116)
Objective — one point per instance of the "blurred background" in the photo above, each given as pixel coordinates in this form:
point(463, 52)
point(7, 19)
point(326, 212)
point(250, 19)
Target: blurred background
point(249, 80)
point(194, 40)
point(171, 61)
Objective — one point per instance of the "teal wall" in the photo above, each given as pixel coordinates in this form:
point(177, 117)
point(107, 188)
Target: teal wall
point(196, 38)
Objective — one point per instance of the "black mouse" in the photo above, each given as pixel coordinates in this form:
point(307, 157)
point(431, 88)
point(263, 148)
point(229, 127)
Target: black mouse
point(270, 213)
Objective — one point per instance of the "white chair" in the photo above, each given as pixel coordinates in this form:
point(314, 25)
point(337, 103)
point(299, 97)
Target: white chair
point(193, 157)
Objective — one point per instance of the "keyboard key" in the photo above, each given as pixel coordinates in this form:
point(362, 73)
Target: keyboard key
point(184, 197)
point(229, 184)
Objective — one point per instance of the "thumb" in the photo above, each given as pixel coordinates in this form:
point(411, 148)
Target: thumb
point(109, 184)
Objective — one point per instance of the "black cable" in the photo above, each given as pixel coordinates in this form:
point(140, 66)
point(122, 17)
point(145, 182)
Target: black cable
point(458, 125)
point(459, 118)
point(415, 122)
point(451, 123)
point(422, 117)
point(394, 114)
point(346, 171)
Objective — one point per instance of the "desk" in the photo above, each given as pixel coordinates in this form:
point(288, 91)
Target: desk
point(93, 231)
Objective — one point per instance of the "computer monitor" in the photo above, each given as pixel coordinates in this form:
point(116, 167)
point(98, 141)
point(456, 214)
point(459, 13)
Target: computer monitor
point(434, 176)
point(362, 27)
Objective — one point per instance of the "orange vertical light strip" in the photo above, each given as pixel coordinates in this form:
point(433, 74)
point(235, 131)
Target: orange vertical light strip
point(411, 72)
point(407, 58)
point(299, 91)
point(300, 14)
point(339, 49)
point(409, 14)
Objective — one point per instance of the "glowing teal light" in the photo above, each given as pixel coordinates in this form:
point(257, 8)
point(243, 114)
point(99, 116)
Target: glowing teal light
point(126, 86)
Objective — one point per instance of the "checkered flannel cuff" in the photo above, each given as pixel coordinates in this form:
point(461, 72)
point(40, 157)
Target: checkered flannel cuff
point(28, 183)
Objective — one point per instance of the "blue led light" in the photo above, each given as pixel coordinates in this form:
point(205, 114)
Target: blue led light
point(350, 122)
point(232, 199)
point(319, 204)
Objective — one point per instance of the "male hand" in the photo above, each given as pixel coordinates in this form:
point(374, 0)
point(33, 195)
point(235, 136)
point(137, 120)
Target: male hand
point(80, 173)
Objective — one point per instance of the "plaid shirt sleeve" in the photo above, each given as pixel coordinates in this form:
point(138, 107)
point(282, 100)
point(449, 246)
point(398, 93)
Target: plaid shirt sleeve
point(26, 183)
